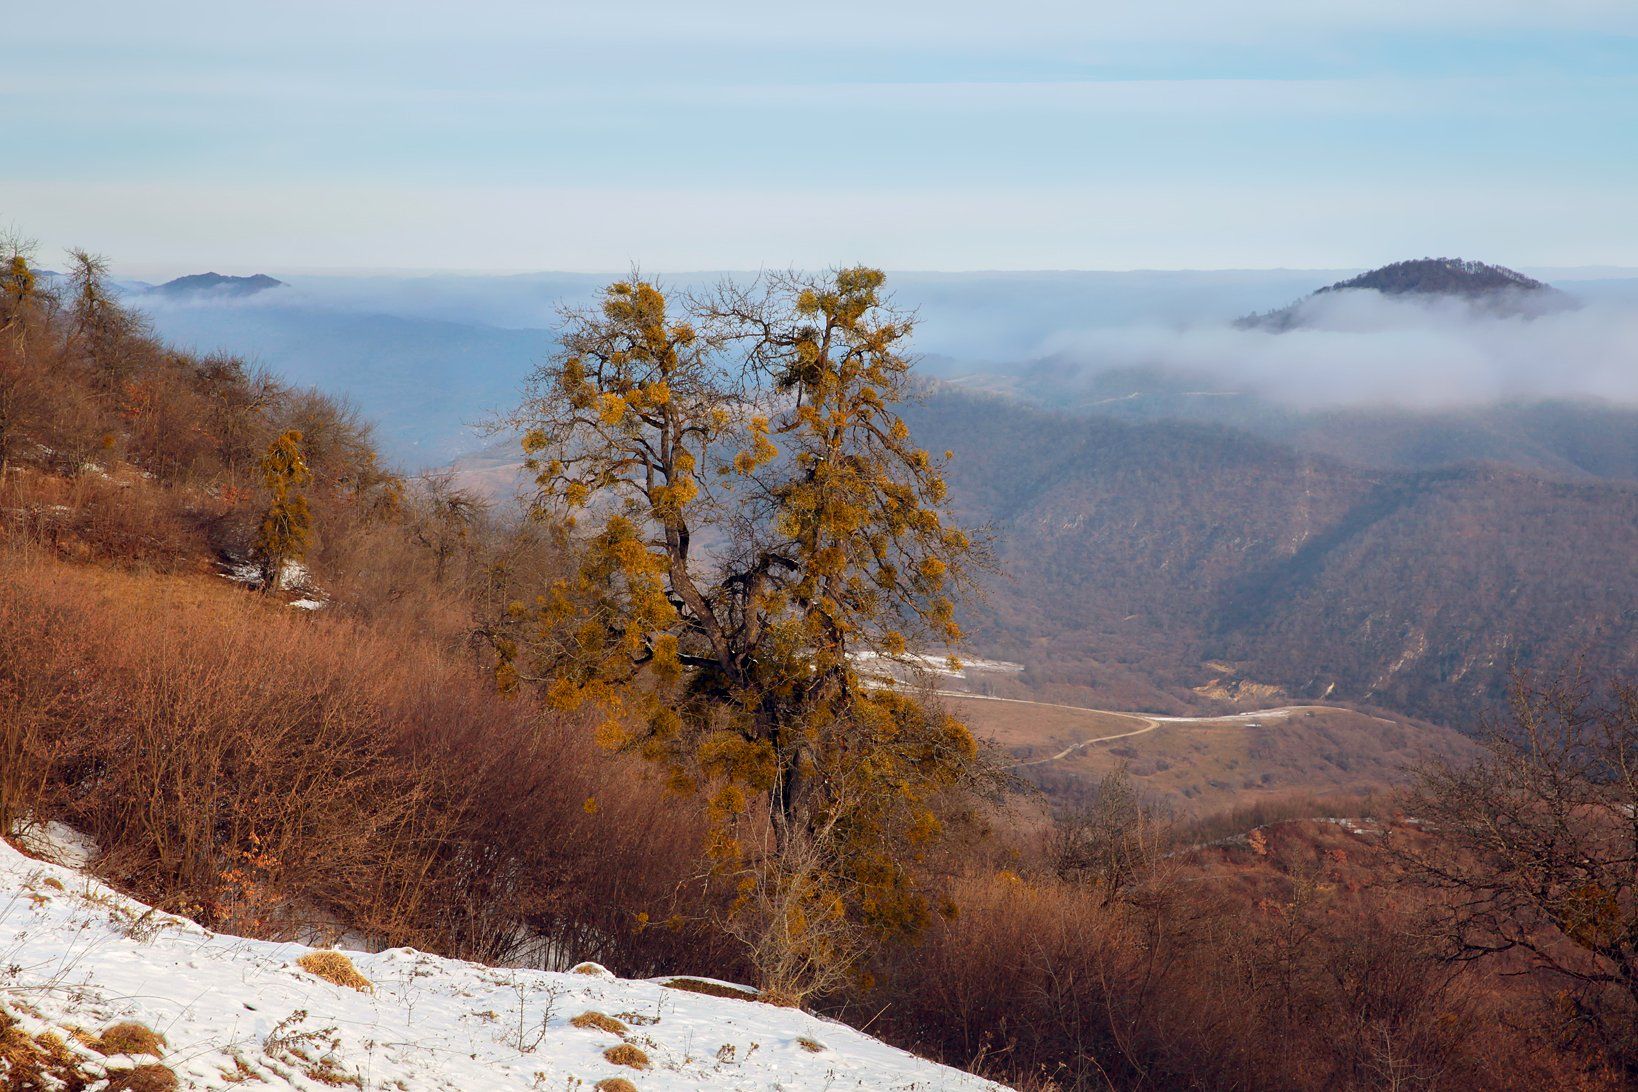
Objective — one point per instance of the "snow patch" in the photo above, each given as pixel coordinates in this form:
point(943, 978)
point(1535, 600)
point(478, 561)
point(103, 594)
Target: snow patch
point(56, 842)
point(234, 1010)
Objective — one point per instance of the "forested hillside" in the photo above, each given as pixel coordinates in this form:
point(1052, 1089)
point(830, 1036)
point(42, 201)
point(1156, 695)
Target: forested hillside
point(1141, 551)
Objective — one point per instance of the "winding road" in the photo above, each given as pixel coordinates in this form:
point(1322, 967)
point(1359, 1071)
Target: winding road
point(1149, 721)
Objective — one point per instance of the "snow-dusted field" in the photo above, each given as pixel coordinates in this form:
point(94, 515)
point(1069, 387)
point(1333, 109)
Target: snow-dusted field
point(240, 1014)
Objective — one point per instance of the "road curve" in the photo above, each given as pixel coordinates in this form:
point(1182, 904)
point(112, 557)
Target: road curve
point(1150, 721)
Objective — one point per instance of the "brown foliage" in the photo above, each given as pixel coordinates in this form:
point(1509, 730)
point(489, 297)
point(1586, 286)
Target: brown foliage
point(626, 1054)
point(144, 1078)
point(711, 989)
point(336, 968)
point(1536, 860)
point(130, 1037)
point(1282, 971)
point(282, 775)
point(600, 1022)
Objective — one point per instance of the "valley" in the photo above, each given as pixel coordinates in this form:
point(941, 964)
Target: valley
point(740, 547)
point(1193, 766)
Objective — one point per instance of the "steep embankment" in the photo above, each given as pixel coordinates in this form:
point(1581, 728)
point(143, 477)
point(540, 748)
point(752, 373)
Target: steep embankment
point(83, 959)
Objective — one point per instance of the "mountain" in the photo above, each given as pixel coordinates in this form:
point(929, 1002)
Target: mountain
point(1493, 288)
point(1145, 560)
point(217, 286)
point(1439, 277)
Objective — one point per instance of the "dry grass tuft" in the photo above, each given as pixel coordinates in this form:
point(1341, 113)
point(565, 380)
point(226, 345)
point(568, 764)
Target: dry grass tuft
point(144, 1078)
point(130, 1037)
point(626, 1054)
point(596, 970)
point(812, 1046)
point(600, 1022)
point(712, 989)
point(337, 968)
point(29, 1062)
point(614, 1084)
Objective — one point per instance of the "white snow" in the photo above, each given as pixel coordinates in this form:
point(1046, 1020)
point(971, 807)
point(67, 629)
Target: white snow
point(56, 842)
point(938, 664)
point(76, 954)
point(292, 574)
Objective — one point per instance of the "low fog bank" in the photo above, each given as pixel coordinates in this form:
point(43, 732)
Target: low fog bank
point(969, 315)
point(430, 356)
point(1361, 348)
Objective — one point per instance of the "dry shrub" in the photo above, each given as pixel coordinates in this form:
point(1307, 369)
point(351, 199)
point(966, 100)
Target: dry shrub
point(130, 1037)
point(144, 1078)
point(614, 1084)
point(626, 1054)
point(812, 1046)
point(600, 1022)
point(1223, 978)
point(277, 773)
point(121, 518)
point(29, 1062)
point(336, 968)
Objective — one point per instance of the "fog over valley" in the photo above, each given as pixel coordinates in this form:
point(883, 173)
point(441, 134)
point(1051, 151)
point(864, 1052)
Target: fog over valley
point(429, 356)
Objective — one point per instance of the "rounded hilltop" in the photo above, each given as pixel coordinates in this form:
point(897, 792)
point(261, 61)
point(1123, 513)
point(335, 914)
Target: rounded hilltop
point(1495, 289)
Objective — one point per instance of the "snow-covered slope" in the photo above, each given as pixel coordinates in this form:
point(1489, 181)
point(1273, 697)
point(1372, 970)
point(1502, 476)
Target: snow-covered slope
point(76, 957)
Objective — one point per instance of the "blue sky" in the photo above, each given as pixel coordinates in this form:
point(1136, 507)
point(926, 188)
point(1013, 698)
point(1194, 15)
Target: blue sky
point(1029, 134)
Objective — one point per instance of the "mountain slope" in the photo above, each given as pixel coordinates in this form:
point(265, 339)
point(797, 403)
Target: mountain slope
point(234, 1010)
point(1142, 551)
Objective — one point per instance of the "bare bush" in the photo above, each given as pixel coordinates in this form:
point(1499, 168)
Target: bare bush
point(279, 774)
point(1536, 857)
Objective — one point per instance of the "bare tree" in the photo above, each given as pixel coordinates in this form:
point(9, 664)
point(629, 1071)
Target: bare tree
point(1535, 852)
point(1109, 839)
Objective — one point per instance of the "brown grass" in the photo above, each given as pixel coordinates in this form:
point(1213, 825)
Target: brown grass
point(144, 1078)
point(600, 1022)
point(28, 1062)
point(378, 781)
point(336, 968)
point(812, 1046)
point(711, 989)
point(626, 1054)
point(614, 1084)
point(130, 1037)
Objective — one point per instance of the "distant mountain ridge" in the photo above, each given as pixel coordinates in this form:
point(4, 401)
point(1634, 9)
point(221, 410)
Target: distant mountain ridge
point(216, 284)
point(1499, 289)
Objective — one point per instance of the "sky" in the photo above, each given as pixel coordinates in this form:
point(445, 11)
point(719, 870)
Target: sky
point(1031, 134)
